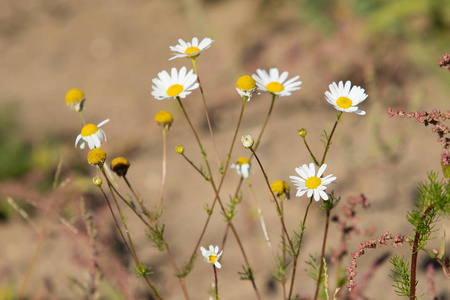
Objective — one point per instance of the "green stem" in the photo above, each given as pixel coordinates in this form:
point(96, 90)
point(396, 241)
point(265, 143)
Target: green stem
point(323, 254)
point(163, 181)
point(297, 254)
point(327, 147)
point(279, 210)
point(206, 110)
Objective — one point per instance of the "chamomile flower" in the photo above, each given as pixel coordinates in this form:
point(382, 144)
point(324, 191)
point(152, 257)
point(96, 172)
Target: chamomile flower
point(276, 83)
point(190, 50)
point(345, 97)
point(242, 166)
point(310, 182)
point(92, 135)
point(177, 84)
point(212, 255)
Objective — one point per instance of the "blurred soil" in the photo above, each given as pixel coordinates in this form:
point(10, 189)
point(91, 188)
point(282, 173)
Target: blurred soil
point(112, 51)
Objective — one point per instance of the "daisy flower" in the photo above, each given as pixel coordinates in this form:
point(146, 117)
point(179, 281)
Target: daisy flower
point(242, 166)
point(345, 99)
point(275, 83)
point(177, 84)
point(212, 255)
point(92, 135)
point(75, 99)
point(190, 50)
point(310, 182)
point(247, 141)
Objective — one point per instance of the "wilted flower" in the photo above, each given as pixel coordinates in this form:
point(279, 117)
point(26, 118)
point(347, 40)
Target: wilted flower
point(245, 86)
point(96, 157)
point(75, 99)
point(242, 166)
point(92, 135)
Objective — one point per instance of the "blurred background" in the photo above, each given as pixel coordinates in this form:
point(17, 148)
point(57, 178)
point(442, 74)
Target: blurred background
point(111, 50)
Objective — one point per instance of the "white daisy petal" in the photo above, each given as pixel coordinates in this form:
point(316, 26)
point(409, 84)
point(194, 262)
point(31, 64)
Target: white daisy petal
point(218, 265)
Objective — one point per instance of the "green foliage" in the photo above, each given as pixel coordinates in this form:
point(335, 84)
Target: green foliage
point(247, 274)
point(314, 267)
point(281, 269)
point(156, 234)
point(142, 270)
point(186, 269)
point(433, 201)
point(400, 275)
point(331, 203)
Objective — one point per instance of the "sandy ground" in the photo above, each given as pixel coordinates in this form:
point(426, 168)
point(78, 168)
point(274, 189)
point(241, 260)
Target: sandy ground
point(112, 50)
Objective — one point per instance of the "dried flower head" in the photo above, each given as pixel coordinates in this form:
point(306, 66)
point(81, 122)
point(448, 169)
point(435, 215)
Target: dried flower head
point(120, 165)
point(280, 188)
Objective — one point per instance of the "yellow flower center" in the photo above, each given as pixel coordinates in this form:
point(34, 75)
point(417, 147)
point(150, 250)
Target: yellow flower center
point(74, 95)
point(96, 157)
point(174, 90)
point(213, 258)
point(89, 129)
point(191, 50)
point(275, 87)
point(313, 182)
point(242, 161)
point(164, 117)
point(344, 102)
point(246, 83)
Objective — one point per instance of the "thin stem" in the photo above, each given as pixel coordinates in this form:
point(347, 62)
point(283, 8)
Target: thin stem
point(415, 250)
point(280, 213)
point(327, 147)
point(323, 254)
point(216, 284)
point(216, 191)
point(206, 111)
point(80, 114)
point(284, 253)
point(194, 166)
point(297, 254)
point(225, 170)
point(163, 181)
point(261, 219)
point(310, 152)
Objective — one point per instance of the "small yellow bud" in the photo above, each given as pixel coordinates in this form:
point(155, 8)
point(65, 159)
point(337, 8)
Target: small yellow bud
point(179, 149)
point(302, 132)
point(120, 165)
point(96, 157)
point(97, 181)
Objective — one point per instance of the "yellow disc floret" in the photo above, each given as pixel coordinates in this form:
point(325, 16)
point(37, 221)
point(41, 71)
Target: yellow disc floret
point(274, 87)
point(96, 157)
point(89, 129)
point(344, 102)
point(212, 259)
point(246, 83)
point(164, 117)
point(120, 165)
point(313, 182)
point(192, 50)
point(174, 90)
point(74, 95)
point(97, 181)
point(242, 161)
